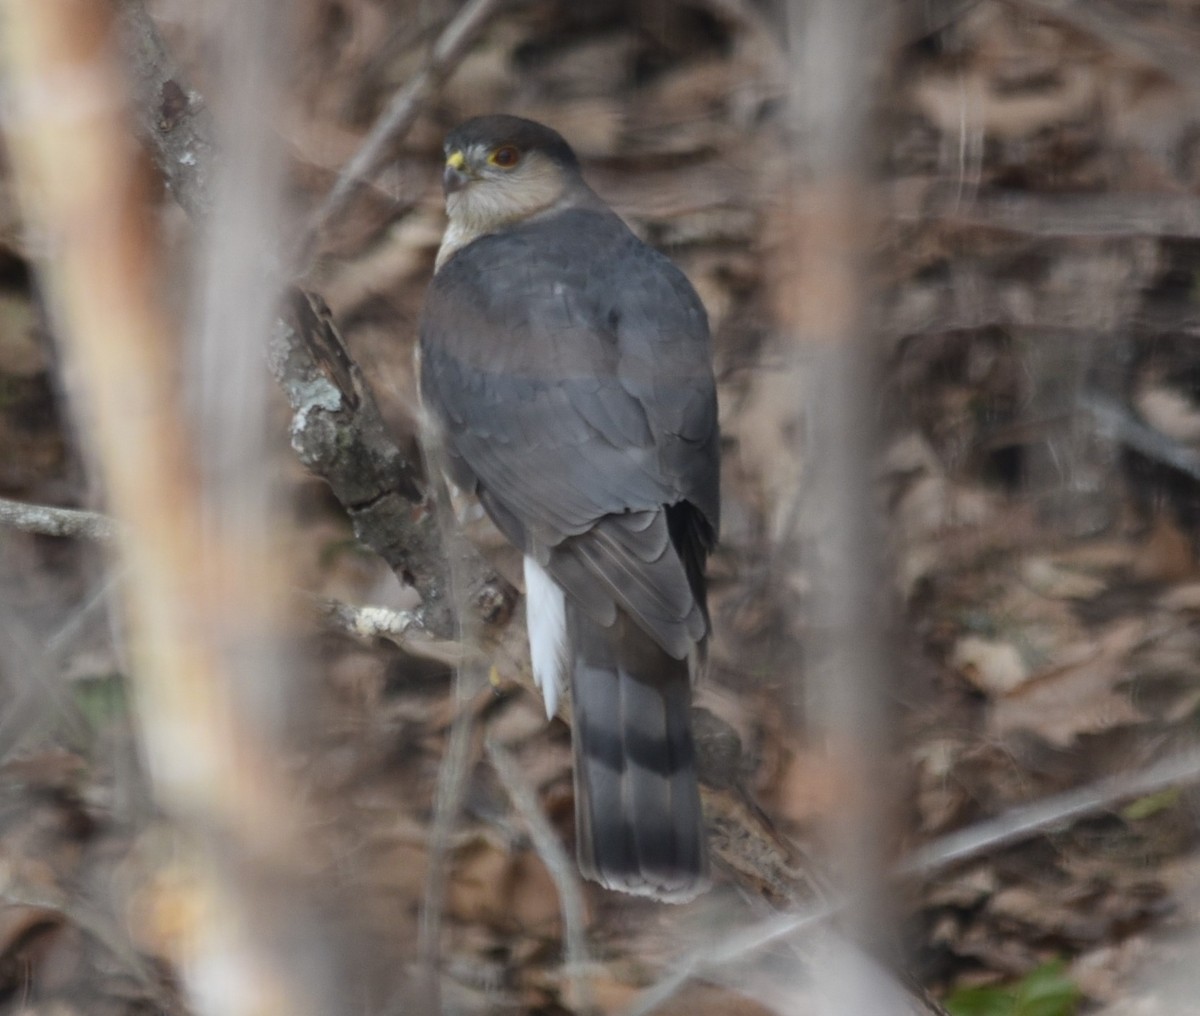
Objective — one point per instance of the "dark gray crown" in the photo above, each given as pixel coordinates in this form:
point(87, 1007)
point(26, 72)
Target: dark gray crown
point(526, 135)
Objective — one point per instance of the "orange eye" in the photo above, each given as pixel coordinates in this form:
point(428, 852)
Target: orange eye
point(506, 156)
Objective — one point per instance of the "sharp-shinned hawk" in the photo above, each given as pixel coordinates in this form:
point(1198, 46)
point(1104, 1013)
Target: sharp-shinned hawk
point(566, 367)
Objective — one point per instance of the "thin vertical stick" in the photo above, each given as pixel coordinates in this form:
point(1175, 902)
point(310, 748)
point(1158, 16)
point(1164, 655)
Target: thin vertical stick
point(833, 59)
point(558, 864)
point(455, 769)
point(238, 290)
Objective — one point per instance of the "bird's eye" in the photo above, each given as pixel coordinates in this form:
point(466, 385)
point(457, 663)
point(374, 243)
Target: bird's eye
point(506, 156)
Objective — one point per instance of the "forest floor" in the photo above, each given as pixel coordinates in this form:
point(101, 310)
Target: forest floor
point(1034, 297)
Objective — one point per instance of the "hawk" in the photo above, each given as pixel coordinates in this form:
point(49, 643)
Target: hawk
point(566, 369)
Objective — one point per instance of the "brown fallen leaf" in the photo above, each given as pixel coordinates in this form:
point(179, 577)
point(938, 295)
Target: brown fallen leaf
point(1078, 698)
point(994, 667)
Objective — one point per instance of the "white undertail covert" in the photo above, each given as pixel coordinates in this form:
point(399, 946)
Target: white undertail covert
point(546, 621)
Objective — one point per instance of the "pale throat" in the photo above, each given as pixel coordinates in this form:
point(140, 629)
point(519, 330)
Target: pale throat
point(486, 206)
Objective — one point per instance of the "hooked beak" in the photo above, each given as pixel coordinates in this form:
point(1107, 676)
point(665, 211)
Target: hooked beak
point(455, 176)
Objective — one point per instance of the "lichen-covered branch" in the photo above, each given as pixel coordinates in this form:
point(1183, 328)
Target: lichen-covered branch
point(174, 118)
point(338, 433)
point(400, 627)
point(50, 521)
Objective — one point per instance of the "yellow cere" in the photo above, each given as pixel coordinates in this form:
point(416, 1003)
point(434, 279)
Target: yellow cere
point(456, 160)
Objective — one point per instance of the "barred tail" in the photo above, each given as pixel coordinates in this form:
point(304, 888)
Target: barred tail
point(637, 803)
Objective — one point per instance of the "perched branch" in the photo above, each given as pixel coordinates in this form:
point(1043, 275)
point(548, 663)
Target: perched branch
point(339, 434)
point(743, 840)
point(400, 627)
point(48, 521)
point(367, 623)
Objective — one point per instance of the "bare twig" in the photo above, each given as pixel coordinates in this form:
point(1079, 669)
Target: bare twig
point(1055, 215)
point(469, 682)
point(49, 521)
point(1112, 417)
point(917, 19)
point(401, 112)
point(736, 947)
point(1059, 810)
point(558, 864)
point(33, 689)
point(87, 609)
point(453, 772)
point(1171, 48)
point(976, 840)
point(780, 987)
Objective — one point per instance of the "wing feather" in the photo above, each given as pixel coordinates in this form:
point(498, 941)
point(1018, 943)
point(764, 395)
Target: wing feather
point(568, 368)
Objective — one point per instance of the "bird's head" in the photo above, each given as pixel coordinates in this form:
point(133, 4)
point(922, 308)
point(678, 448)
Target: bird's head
point(503, 169)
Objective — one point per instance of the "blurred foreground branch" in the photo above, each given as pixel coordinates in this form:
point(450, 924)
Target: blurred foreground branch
point(826, 308)
point(81, 183)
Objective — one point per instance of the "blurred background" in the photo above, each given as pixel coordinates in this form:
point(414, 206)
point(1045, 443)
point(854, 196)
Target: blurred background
point(966, 230)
